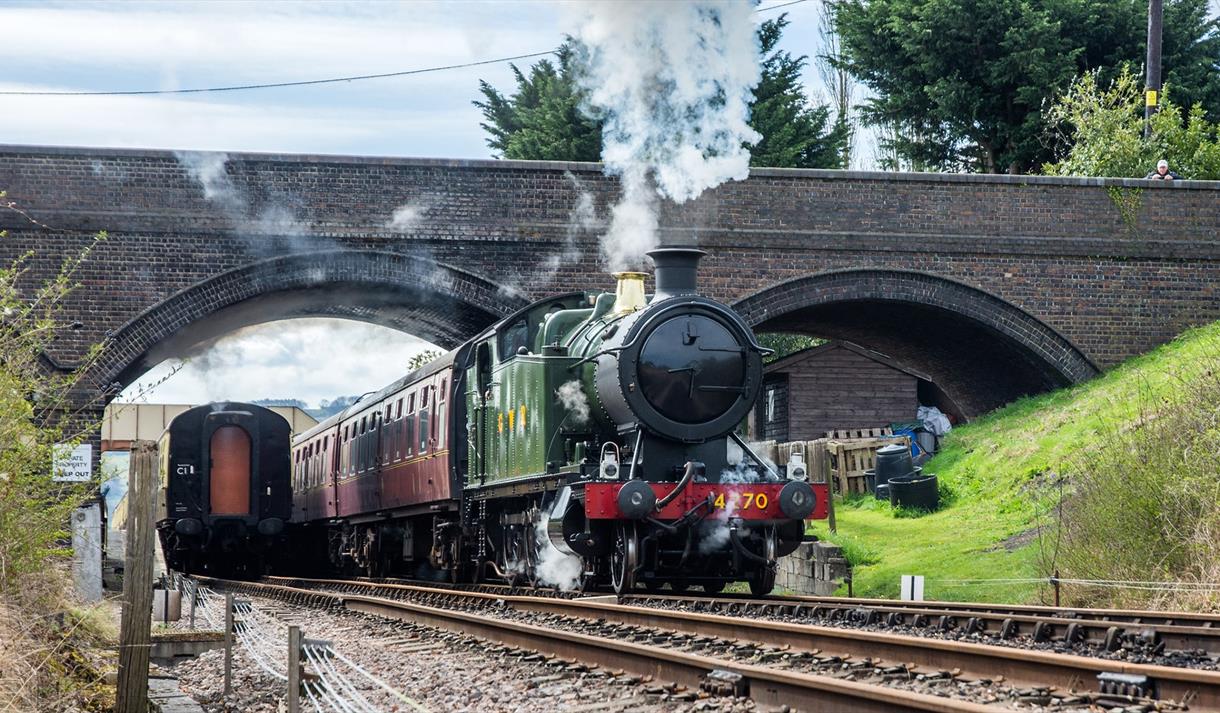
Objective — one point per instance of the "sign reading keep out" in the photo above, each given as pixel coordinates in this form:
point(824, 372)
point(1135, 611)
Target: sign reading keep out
point(73, 464)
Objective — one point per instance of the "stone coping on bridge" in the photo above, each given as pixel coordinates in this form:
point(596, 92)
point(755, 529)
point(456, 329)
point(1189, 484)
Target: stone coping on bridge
point(587, 167)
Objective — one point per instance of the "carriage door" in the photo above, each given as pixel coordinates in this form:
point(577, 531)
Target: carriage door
point(230, 471)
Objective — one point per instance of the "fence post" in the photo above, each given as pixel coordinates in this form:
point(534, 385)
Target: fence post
point(228, 643)
point(1055, 581)
point(194, 596)
point(294, 669)
point(135, 627)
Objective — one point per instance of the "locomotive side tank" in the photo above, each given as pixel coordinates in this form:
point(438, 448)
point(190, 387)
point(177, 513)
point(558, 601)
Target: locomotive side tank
point(224, 494)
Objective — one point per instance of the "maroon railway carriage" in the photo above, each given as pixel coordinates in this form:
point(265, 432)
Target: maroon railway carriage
point(387, 457)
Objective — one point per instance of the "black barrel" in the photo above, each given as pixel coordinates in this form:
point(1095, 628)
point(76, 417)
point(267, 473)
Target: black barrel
point(893, 461)
point(915, 491)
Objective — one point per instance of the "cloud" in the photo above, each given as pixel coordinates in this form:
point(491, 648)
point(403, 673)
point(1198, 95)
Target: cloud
point(253, 40)
point(179, 123)
point(308, 359)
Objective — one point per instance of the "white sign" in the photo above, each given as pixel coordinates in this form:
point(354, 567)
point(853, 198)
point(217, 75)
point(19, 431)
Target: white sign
point(73, 464)
point(912, 587)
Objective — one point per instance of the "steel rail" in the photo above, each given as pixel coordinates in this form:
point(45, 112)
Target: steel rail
point(1104, 628)
point(806, 692)
point(1197, 688)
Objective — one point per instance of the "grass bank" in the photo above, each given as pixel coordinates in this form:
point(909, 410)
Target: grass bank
point(1002, 477)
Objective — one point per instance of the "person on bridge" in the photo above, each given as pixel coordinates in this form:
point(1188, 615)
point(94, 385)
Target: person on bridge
point(1162, 172)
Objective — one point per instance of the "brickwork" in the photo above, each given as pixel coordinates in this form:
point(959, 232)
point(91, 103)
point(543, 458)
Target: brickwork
point(993, 285)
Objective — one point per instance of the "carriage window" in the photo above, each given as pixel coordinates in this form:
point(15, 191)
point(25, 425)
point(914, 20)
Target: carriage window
point(411, 404)
point(364, 425)
point(409, 440)
point(423, 431)
point(423, 398)
point(441, 396)
point(399, 415)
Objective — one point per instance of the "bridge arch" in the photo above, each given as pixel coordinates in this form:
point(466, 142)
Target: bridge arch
point(980, 350)
point(431, 300)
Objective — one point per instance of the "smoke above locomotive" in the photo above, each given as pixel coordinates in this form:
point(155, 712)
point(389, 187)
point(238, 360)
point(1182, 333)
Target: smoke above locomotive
point(671, 84)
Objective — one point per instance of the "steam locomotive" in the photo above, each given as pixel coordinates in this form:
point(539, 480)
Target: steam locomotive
point(223, 496)
point(588, 438)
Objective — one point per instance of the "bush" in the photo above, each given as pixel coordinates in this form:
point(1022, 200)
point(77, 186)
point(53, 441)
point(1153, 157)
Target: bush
point(36, 413)
point(1142, 502)
point(1100, 132)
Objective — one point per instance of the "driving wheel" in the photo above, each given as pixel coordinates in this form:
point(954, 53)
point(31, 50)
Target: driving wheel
point(624, 559)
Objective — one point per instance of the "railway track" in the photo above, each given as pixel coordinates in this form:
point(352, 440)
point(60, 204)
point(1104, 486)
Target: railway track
point(1151, 633)
point(1105, 629)
point(806, 666)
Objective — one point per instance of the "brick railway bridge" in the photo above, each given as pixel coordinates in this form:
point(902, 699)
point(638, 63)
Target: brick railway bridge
point(994, 286)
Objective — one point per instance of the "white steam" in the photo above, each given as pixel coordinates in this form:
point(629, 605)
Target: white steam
point(715, 533)
point(407, 218)
point(672, 82)
point(555, 569)
point(270, 226)
point(572, 397)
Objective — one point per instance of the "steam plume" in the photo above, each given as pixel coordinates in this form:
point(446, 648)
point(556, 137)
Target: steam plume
point(572, 397)
point(671, 82)
point(407, 217)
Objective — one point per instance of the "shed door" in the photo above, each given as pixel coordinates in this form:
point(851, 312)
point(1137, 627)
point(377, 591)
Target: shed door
point(230, 471)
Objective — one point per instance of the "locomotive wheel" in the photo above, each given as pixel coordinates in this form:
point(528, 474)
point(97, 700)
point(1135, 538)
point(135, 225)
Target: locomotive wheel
point(679, 585)
point(624, 559)
point(762, 583)
point(713, 587)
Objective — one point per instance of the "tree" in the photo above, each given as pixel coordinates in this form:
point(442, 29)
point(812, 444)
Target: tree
point(794, 134)
point(542, 119)
point(785, 343)
point(962, 83)
point(1100, 132)
point(840, 85)
point(422, 359)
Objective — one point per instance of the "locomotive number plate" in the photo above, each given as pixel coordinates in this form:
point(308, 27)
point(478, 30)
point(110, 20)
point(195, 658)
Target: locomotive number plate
point(751, 500)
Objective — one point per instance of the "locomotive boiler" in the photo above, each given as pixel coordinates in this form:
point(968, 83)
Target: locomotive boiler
point(588, 438)
point(223, 496)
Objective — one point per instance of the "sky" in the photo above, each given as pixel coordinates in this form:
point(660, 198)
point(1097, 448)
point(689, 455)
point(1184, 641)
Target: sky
point(82, 46)
point(124, 46)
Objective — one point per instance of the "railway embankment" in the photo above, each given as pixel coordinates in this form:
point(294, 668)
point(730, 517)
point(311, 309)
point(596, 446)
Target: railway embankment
point(1112, 481)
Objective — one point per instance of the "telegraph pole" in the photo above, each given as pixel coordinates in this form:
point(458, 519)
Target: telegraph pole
point(1152, 66)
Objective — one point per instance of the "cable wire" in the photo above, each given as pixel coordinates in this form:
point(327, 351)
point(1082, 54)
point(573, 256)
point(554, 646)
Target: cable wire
point(306, 82)
point(377, 681)
point(272, 85)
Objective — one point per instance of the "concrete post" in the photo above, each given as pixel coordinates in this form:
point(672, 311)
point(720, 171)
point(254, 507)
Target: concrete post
point(87, 552)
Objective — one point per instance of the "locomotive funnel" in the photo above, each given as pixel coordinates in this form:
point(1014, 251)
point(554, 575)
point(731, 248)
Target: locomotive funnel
point(676, 271)
point(629, 292)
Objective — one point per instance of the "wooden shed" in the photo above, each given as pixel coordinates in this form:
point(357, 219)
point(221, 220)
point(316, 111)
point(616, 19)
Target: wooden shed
point(836, 385)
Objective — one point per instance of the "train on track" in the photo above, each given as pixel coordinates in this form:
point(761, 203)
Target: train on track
point(588, 439)
point(224, 493)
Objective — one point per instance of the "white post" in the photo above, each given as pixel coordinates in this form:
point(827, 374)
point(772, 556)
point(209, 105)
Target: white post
point(912, 587)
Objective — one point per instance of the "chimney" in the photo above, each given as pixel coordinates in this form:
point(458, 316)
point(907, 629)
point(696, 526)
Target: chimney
point(676, 271)
point(628, 292)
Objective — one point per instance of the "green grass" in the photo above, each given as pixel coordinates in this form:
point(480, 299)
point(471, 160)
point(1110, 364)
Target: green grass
point(1000, 476)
